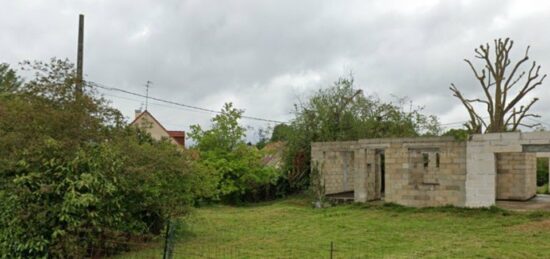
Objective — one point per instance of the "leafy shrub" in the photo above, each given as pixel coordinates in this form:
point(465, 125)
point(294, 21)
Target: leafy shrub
point(458, 134)
point(542, 171)
point(240, 174)
point(343, 112)
point(75, 178)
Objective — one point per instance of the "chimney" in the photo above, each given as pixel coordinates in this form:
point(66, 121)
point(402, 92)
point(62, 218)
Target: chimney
point(137, 113)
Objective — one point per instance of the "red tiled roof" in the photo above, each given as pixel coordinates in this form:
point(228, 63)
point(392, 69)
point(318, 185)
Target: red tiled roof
point(178, 136)
point(176, 133)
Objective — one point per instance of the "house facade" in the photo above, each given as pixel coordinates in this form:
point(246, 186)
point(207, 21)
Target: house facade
point(434, 171)
point(146, 121)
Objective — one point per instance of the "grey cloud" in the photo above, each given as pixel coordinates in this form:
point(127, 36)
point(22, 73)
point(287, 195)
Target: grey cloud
point(262, 54)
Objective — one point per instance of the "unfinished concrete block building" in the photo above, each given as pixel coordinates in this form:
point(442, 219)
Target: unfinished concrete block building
point(433, 171)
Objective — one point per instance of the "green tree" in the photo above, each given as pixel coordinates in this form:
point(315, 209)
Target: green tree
point(281, 132)
point(75, 177)
point(542, 171)
point(458, 134)
point(343, 112)
point(9, 81)
point(224, 135)
point(238, 166)
point(263, 137)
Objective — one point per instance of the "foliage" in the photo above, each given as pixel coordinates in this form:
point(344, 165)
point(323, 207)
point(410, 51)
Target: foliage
point(458, 134)
point(263, 138)
point(73, 176)
point(9, 81)
point(53, 206)
point(504, 88)
point(281, 132)
point(237, 166)
point(542, 171)
point(342, 112)
point(543, 189)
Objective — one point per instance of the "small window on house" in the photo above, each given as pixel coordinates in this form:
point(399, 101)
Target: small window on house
point(437, 160)
point(426, 159)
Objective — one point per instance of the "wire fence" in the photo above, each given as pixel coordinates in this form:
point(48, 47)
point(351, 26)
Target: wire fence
point(212, 250)
point(176, 244)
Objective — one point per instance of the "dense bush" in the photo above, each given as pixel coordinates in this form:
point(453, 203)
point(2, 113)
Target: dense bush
point(238, 167)
point(542, 171)
point(343, 112)
point(74, 177)
point(458, 134)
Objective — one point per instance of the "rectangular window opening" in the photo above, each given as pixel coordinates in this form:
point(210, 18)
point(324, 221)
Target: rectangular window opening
point(437, 160)
point(426, 159)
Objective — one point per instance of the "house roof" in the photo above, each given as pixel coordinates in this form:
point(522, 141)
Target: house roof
point(273, 154)
point(151, 115)
point(174, 134)
point(178, 136)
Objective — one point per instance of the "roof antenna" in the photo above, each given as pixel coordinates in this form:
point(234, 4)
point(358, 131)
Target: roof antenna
point(147, 85)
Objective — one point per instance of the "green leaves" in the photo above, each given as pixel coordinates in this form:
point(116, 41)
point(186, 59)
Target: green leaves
point(343, 112)
point(225, 133)
point(72, 176)
point(237, 166)
point(9, 81)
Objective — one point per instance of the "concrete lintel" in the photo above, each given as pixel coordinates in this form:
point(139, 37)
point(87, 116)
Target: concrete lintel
point(536, 148)
point(504, 148)
point(543, 154)
point(374, 146)
point(545, 135)
point(424, 145)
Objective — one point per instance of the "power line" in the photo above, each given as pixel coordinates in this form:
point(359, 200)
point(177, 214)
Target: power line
point(538, 121)
point(452, 123)
point(196, 108)
point(109, 88)
point(154, 103)
point(458, 122)
point(531, 119)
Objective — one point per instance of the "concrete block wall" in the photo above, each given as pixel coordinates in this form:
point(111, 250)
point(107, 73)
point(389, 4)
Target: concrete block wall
point(481, 180)
point(404, 183)
point(516, 176)
point(467, 174)
point(480, 177)
point(410, 183)
point(337, 164)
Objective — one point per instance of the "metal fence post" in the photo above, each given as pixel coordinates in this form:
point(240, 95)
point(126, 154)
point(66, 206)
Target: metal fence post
point(167, 254)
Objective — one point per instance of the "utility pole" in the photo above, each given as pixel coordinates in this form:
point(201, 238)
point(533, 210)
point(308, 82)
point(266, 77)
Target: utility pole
point(147, 85)
point(80, 55)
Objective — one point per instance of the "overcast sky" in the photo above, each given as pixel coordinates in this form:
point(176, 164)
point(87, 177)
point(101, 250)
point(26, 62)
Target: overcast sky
point(263, 55)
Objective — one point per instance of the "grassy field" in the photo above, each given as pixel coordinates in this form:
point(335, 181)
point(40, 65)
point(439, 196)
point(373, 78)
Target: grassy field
point(290, 228)
point(543, 189)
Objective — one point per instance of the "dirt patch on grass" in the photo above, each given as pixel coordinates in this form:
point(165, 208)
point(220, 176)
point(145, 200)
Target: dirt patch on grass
point(533, 226)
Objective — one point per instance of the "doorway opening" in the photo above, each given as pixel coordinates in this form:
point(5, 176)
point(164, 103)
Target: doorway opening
point(542, 175)
point(381, 168)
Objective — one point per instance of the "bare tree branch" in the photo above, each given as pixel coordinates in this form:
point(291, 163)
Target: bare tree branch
point(475, 120)
point(497, 81)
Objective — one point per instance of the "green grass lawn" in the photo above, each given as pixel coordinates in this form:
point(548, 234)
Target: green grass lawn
point(290, 228)
point(542, 189)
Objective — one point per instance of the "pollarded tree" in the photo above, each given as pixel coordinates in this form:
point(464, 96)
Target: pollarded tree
point(504, 87)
